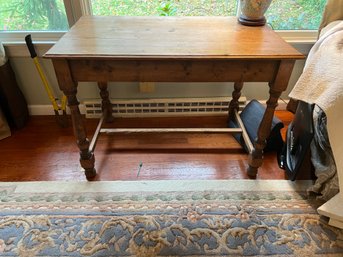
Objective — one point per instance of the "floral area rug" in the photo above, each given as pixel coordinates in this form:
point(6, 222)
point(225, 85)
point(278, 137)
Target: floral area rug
point(163, 218)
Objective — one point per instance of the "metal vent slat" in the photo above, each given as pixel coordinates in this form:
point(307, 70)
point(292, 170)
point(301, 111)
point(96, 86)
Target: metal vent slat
point(163, 107)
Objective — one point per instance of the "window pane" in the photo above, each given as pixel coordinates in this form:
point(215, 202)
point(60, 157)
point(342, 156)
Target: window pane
point(282, 14)
point(164, 8)
point(295, 14)
point(32, 15)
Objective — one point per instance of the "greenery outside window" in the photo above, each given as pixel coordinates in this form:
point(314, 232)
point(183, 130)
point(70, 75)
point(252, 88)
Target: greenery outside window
point(51, 15)
point(282, 14)
point(33, 15)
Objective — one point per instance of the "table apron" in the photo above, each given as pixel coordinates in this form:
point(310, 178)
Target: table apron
point(174, 70)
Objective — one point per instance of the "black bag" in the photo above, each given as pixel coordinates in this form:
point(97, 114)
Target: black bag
point(251, 117)
point(295, 156)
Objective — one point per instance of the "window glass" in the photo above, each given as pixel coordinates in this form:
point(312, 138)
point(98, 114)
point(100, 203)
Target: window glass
point(282, 14)
point(51, 15)
point(164, 7)
point(32, 15)
point(295, 14)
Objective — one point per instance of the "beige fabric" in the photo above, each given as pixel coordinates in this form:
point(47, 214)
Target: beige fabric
point(333, 11)
point(314, 87)
point(321, 83)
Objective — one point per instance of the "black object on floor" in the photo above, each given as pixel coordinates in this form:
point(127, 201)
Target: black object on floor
point(295, 156)
point(251, 117)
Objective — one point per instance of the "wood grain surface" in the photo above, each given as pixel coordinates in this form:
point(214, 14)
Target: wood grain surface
point(43, 151)
point(188, 37)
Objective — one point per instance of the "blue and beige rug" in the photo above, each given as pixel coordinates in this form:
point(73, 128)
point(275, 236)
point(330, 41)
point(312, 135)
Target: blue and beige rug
point(163, 218)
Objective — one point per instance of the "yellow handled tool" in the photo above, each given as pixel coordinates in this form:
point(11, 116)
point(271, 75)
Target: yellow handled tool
point(61, 119)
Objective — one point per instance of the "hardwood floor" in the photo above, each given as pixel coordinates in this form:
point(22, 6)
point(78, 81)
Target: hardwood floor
point(43, 151)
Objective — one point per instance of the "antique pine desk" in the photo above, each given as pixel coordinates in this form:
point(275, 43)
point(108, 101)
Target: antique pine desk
point(171, 49)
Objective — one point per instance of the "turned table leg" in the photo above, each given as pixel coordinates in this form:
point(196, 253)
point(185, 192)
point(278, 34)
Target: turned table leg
point(280, 84)
point(106, 103)
point(69, 88)
point(234, 103)
point(256, 156)
point(87, 159)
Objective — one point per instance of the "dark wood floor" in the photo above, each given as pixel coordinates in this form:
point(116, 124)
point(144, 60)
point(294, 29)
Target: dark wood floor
point(43, 151)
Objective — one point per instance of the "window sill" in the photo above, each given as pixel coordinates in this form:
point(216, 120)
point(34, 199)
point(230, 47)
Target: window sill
point(15, 46)
point(299, 37)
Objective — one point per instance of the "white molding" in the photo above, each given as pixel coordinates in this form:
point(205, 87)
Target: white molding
point(20, 49)
point(15, 46)
point(18, 37)
point(40, 110)
point(47, 109)
point(75, 9)
point(86, 7)
point(299, 36)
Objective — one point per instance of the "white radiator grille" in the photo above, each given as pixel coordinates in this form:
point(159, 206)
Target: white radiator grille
point(163, 107)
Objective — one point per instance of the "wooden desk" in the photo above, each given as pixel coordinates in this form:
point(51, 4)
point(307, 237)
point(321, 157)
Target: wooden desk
point(170, 49)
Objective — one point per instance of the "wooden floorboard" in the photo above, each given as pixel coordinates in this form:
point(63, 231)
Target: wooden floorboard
point(43, 151)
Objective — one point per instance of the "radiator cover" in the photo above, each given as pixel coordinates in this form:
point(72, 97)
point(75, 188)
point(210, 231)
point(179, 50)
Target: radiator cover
point(163, 107)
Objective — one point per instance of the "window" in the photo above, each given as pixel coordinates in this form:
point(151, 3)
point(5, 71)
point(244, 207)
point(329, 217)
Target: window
point(33, 15)
point(49, 16)
point(282, 14)
point(165, 8)
point(295, 14)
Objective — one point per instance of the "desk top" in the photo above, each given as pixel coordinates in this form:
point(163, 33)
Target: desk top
point(170, 38)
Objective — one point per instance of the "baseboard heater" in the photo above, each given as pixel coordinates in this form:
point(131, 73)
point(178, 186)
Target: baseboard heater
point(163, 107)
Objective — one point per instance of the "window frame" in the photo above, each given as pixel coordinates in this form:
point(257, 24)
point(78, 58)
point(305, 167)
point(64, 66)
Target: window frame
point(15, 45)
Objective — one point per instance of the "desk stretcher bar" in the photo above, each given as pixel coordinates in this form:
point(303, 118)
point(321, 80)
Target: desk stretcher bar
point(240, 129)
point(165, 130)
